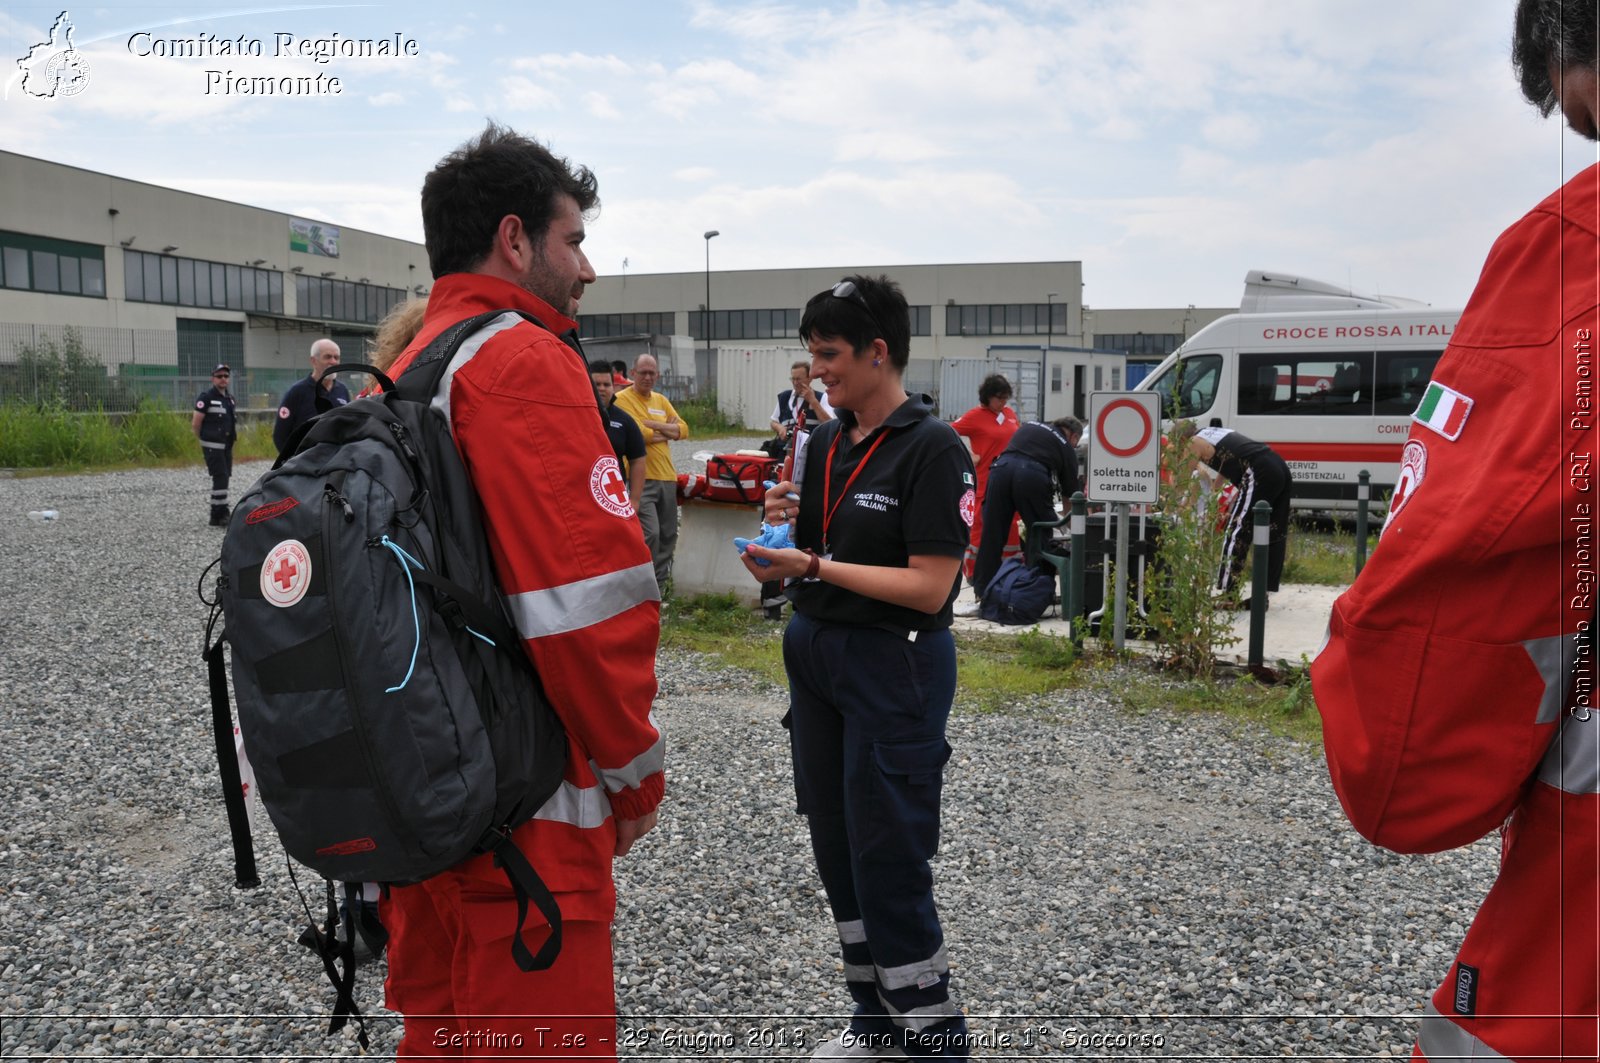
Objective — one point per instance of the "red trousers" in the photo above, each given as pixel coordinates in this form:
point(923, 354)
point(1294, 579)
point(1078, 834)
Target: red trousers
point(452, 976)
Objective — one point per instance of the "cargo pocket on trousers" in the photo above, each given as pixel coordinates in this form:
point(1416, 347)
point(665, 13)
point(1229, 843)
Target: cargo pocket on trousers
point(902, 820)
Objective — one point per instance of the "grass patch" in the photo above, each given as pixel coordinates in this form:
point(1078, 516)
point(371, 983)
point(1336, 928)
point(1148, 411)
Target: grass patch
point(255, 441)
point(725, 629)
point(995, 671)
point(1284, 708)
point(998, 673)
point(706, 421)
point(1323, 556)
point(56, 439)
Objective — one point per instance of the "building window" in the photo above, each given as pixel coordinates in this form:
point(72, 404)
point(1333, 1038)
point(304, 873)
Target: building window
point(1139, 344)
point(922, 320)
point(775, 324)
point(341, 300)
point(1005, 319)
point(596, 326)
point(152, 278)
point(41, 264)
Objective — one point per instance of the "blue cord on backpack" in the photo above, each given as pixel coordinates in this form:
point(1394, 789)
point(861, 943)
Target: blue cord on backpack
point(407, 562)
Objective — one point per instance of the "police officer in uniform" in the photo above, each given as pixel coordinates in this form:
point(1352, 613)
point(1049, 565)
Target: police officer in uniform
point(883, 520)
point(213, 425)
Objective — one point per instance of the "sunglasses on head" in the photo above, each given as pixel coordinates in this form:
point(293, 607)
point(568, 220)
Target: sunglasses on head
point(847, 290)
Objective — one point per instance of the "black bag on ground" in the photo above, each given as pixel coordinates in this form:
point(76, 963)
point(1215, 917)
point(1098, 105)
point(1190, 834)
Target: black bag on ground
point(1017, 594)
point(394, 722)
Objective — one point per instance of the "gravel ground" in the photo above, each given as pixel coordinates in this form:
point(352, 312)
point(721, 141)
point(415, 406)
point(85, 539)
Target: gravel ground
point(1112, 885)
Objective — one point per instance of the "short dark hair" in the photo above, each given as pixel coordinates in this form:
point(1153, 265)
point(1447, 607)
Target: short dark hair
point(498, 172)
point(885, 316)
point(994, 386)
point(599, 367)
point(1551, 34)
point(1068, 426)
point(619, 366)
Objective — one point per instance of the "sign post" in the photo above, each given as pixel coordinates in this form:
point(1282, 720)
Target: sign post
point(1124, 468)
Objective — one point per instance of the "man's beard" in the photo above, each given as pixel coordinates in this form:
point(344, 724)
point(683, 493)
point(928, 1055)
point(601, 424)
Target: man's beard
point(538, 282)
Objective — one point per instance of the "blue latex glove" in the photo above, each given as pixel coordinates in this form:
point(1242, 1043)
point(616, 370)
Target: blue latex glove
point(773, 537)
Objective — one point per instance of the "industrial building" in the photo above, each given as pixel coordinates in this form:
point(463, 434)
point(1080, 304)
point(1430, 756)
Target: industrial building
point(157, 285)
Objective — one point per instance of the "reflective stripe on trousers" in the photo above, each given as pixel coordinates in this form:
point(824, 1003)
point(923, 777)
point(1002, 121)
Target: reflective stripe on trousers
point(1440, 1040)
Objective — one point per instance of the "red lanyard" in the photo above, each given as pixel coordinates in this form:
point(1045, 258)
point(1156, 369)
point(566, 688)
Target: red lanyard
point(827, 481)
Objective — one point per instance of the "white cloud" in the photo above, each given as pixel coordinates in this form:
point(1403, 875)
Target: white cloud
point(521, 94)
point(387, 99)
point(1231, 131)
point(600, 106)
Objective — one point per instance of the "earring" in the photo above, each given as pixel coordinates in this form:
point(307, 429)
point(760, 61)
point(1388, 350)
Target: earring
point(877, 362)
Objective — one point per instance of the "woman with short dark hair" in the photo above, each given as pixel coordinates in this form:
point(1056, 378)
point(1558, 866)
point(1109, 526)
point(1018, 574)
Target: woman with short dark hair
point(880, 529)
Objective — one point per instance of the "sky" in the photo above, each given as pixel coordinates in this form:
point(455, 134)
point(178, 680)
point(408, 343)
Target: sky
point(1171, 146)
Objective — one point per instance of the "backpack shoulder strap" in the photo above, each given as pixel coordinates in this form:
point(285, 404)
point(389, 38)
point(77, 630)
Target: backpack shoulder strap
point(420, 381)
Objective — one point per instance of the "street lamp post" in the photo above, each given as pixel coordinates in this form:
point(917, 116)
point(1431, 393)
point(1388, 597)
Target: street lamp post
point(709, 234)
point(1050, 318)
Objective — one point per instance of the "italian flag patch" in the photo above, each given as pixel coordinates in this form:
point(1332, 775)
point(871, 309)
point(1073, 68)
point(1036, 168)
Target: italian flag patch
point(1444, 410)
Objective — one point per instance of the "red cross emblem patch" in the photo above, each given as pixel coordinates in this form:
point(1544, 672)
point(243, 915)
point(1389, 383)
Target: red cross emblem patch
point(286, 573)
point(609, 487)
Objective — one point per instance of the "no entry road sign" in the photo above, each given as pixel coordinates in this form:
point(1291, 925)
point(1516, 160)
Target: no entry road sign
point(1124, 446)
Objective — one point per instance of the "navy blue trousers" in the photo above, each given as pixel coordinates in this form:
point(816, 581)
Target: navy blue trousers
point(1018, 486)
point(868, 711)
point(219, 463)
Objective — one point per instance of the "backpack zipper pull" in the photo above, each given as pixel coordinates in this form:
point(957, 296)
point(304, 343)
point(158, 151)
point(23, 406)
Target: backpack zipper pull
point(402, 437)
point(332, 494)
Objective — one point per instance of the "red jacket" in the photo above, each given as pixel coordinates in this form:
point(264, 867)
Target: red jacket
point(1450, 701)
point(574, 570)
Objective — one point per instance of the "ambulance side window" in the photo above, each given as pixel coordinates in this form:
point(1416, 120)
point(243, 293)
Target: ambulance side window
point(1189, 387)
point(1402, 378)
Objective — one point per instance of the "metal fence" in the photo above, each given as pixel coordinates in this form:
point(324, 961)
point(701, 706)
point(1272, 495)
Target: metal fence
point(118, 370)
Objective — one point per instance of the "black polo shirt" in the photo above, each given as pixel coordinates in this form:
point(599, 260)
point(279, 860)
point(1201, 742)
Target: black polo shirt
point(913, 496)
point(623, 431)
point(300, 404)
point(1236, 453)
point(1049, 448)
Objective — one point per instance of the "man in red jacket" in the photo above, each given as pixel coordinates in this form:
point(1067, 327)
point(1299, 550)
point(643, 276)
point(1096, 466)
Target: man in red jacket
point(503, 220)
point(1457, 684)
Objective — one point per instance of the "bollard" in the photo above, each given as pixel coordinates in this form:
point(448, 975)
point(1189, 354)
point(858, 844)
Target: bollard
point(1079, 529)
point(1363, 495)
point(1258, 582)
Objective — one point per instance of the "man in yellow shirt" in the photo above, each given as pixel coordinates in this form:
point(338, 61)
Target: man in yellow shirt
point(660, 423)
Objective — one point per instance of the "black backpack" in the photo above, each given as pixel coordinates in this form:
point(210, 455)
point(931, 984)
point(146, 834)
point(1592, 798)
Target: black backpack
point(391, 715)
point(1017, 594)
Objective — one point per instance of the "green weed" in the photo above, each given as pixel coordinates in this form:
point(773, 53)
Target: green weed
point(1326, 557)
point(1183, 611)
point(705, 420)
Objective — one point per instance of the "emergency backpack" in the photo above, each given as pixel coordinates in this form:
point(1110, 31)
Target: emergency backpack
point(393, 720)
point(1018, 594)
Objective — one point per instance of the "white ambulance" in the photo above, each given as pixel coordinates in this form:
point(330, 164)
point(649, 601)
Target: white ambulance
point(1326, 377)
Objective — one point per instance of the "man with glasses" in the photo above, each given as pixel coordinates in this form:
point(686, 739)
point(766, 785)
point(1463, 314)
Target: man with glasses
point(213, 425)
point(660, 423)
